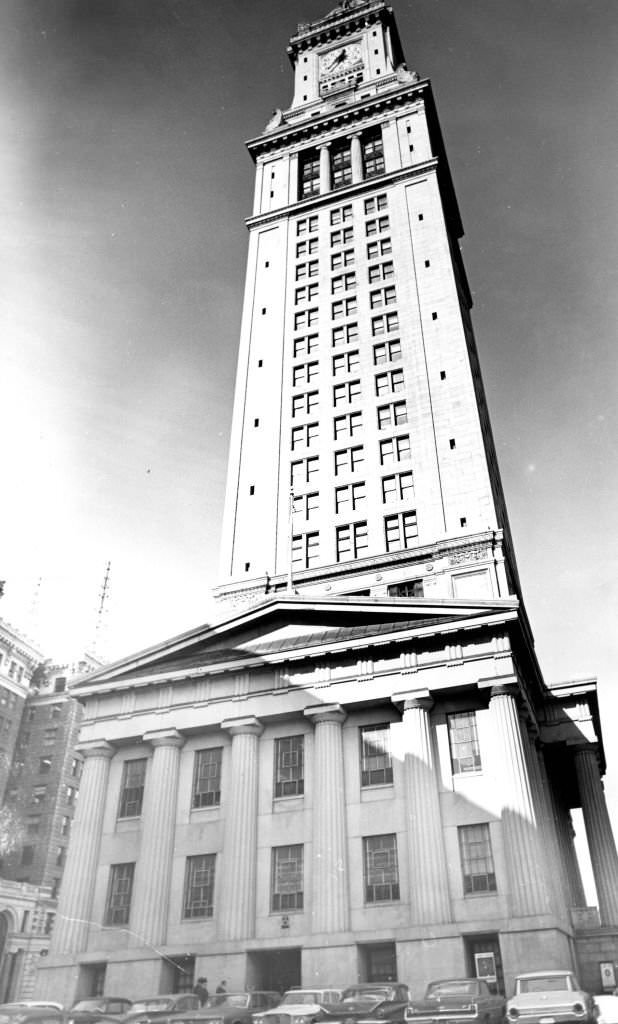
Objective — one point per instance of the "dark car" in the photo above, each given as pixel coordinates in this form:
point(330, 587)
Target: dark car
point(457, 1001)
point(371, 1000)
point(158, 1007)
point(91, 1011)
point(229, 1008)
point(31, 1013)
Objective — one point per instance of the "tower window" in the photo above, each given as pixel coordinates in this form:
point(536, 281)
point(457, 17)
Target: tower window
point(427, 263)
point(350, 496)
point(399, 487)
point(400, 530)
point(390, 351)
point(452, 442)
point(442, 374)
point(392, 415)
point(390, 382)
point(252, 489)
point(373, 153)
point(395, 449)
point(348, 392)
point(410, 588)
point(345, 334)
point(247, 566)
point(351, 541)
point(349, 460)
point(348, 425)
point(305, 550)
point(308, 173)
point(434, 316)
point(341, 164)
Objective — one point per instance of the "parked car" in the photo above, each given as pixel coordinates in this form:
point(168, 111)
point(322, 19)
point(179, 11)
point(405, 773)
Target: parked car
point(549, 997)
point(91, 1011)
point(229, 1008)
point(156, 1007)
point(31, 1013)
point(299, 1006)
point(606, 1008)
point(457, 1000)
point(369, 1001)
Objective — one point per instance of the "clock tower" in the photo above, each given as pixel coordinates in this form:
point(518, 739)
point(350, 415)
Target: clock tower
point(361, 459)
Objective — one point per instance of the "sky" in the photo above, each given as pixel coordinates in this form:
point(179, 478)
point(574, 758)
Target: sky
point(124, 187)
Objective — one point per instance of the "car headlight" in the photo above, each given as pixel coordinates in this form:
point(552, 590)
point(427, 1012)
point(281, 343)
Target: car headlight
point(512, 1013)
point(579, 1009)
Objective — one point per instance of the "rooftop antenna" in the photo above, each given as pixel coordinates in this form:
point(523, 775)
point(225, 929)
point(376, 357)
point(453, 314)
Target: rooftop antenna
point(103, 598)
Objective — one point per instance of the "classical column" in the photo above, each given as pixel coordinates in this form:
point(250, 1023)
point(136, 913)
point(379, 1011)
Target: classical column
point(550, 863)
point(599, 834)
point(70, 934)
point(151, 888)
point(522, 841)
point(356, 158)
point(553, 818)
point(324, 168)
point(330, 899)
point(236, 919)
point(429, 893)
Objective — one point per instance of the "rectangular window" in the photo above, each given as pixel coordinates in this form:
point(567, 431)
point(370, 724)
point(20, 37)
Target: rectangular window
point(349, 460)
point(132, 788)
point(305, 345)
point(49, 737)
point(305, 403)
point(395, 449)
point(287, 878)
point(392, 415)
point(343, 283)
point(376, 203)
point(306, 226)
point(27, 856)
point(305, 436)
point(306, 293)
point(44, 765)
point(347, 362)
point(71, 793)
point(343, 236)
point(409, 588)
point(381, 869)
point(383, 247)
point(383, 297)
point(305, 550)
point(381, 272)
point(199, 886)
point(345, 334)
point(306, 505)
point(348, 392)
point(39, 793)
point(398, 487)
point(350, 497)
point(340, 260)
point(118, 904)
point(376, 763)
point(340, 164)
point(304, 373)
point(307, 318)
point(464, 742)
point(289, 766)
point(32, 825)
point(304, 471)
point(377, 226)
point(344, 307)
point(352, 541)
point(389, 383)
point(384, 324)
point(373, 152)
point(347, 425)
point(387, 352)
point(477, 863)
point(400, 530)
point(304, 270)
point(307, 248)
point(341, 216)
point(308, 173)
point(207, 777)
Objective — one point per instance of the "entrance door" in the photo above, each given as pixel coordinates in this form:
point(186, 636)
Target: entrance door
point(485, 961)
point(378, 962)
point(274, 970)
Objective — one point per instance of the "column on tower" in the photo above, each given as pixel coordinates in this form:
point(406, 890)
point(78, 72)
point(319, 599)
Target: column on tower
point(330, 900)
point(549, 869)
point(356, 158)
point(599, 833)
point(429, 892)
point(522, 840)
point(153, 870)
point(237, 917)
point(70, 935)
point(324, 168)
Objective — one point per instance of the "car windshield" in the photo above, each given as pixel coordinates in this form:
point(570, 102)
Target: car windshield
point(234, 999)
point(451, 988)
point(364, 995)
point(88, 1004)
point(546, 983)
point(146, 1005)
point(300, 998)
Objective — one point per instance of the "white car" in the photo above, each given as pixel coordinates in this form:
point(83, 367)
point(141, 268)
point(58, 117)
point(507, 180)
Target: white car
point(549, 997)
point(606, 1009)
point(299, 1006)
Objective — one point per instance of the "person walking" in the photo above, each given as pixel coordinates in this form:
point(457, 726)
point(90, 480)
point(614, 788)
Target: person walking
point(221, 991)
point(201, 990)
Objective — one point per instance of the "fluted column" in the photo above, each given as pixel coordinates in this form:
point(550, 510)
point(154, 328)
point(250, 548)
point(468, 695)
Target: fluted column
point(566, 834)
point(522, 842)
point(356, 158)
point(599, 834)
point(324, 168)
point(429, 893)
point(237, 917)
point(151, 888)
point(550, 864)
point(70, 934)
point(330, 899)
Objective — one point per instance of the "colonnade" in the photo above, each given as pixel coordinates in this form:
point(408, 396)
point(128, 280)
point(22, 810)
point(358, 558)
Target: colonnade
point(534, 833)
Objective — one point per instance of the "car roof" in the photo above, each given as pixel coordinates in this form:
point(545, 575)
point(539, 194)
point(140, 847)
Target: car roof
point(546, 974)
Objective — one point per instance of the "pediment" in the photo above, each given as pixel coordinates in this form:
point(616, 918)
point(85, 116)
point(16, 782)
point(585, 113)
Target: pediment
point(292, 627)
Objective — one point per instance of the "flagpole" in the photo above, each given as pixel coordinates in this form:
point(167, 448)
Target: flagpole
point(291, 539)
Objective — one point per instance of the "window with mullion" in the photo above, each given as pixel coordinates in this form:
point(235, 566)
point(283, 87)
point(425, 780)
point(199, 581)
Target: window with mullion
point(381, 869)
point(132, 788)
point(207, 777)
point(289, 766)
point(309, 173)
point(199, 886)
point(341, 164)
point(464, 742)
point(287, 878)
point(373, 153)
point(118, 904)
point(376, 763)
point(477, 863)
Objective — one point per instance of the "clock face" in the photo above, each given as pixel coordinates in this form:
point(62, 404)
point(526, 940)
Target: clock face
point(340, 60)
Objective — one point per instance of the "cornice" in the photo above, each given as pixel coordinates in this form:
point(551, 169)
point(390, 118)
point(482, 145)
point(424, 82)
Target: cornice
point(349, 192)
point(342, 21)
point(361, 111)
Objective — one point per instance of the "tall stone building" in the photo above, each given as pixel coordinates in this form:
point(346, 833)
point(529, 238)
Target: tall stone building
point(359, 771)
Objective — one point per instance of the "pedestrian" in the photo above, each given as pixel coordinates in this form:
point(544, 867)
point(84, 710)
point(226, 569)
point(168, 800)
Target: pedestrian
point(201, 990)
point(221, 991)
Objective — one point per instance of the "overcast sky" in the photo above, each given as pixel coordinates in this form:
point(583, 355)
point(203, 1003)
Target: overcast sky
point(124, 185)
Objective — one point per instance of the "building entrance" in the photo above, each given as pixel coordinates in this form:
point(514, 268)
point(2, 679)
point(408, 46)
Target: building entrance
point(274, 969)
point(485, 961)
point(378, 962)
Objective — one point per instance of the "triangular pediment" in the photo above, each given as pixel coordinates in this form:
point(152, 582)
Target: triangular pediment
point(292, 626)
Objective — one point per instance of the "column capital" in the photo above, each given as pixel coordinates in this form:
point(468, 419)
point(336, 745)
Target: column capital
point(407, 700)
point(326, 713)
point(164, 738)
point(95, 748)
point(325, 145)
point(500, 686)
point(248, 725)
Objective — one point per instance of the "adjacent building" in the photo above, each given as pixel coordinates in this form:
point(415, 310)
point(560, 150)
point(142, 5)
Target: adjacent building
point(359, 771)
